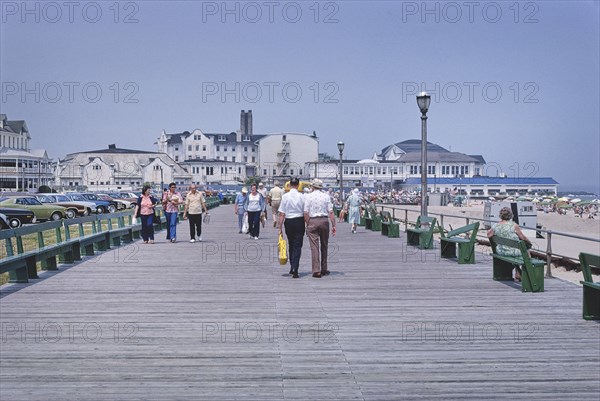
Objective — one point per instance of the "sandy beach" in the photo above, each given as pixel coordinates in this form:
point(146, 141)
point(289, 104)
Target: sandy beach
point(561, 245)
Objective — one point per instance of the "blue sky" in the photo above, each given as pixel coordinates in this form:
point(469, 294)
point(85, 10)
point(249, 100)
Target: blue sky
point(517, 82)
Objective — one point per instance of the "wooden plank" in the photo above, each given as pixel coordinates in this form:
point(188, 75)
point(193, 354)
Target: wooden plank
point(221, 320)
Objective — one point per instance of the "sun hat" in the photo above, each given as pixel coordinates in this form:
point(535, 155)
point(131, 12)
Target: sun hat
point(317, 183)
point(244, 190)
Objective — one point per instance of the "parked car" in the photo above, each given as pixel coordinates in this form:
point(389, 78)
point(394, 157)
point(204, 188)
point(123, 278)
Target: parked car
point(129, 202)
point(73, 209)
point(130, 196)
point(121, 205)
point(90, 207)
point(17, 217)
point(93, 206)
point(102, 205)
point(41, 211)
point(4, 221)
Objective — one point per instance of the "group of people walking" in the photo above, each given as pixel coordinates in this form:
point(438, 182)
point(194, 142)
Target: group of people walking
point(194, 203)
point(252, 207)
point(299, 214)
point(310, 214)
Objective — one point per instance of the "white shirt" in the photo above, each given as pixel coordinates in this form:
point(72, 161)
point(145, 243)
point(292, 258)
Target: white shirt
point(253, 203)
point(292, 204)
point(318, 204)
point(275, 194)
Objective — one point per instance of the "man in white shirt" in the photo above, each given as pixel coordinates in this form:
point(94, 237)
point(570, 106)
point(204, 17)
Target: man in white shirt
point(291, 214)
point(317, 210)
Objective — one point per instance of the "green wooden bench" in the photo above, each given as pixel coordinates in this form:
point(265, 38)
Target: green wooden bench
point(532, 270)
point(22, 266)
point(135, 226)
point(87, 244)
point(389, 227)
point(362, 222)
point(422, 234)
point(372, 219)
point(161, 222)
point(212, 202)
point(591, 290)
point(116, 235)
point(466, 246)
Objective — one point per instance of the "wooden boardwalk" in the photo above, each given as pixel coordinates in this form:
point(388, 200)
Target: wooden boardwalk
point(221, 320)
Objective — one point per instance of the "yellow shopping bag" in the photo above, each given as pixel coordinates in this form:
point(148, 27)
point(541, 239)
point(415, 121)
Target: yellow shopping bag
point(282, 250)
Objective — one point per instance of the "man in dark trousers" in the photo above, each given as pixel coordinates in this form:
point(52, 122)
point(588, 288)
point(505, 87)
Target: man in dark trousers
point(291, 214)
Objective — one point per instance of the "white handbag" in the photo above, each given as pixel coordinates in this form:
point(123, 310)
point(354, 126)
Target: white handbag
point(245, 225)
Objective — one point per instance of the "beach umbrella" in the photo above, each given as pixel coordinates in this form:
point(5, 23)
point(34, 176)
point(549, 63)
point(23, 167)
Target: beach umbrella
point(584, 202)
point(576, 200)
point(564, 205)
point(564, 199)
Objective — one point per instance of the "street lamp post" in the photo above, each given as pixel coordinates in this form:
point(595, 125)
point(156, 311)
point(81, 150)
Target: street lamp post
point(423, 101)
point(340, 146)
point(161, 181)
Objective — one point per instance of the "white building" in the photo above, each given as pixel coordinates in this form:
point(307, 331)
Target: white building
point(286, 154)
point(397, 163)
point(21, 167)
point(366, 173)
point(213, 171)
point(241, 154)
point(484, 187)
point(115, 168)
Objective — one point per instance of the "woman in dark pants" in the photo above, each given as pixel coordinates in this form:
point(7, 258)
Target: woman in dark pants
point(145, 211)
point(254, 206)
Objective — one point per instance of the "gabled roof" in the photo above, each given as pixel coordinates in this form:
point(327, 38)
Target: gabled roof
point(14, 126)
point(414, 145)
point(9, 152)
point(116, 151)
point(230, 138)
point(479, 158)
point(434, 157)
point(177, 138)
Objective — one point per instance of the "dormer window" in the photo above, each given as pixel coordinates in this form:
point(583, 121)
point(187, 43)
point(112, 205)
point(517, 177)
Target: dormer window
point(246, 138)
point(221, 138)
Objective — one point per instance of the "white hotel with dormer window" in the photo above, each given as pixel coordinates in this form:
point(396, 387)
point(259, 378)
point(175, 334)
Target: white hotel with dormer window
point(21, 168)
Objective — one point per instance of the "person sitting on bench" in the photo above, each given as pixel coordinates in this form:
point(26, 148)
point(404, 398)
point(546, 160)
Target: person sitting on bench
point(508, 229)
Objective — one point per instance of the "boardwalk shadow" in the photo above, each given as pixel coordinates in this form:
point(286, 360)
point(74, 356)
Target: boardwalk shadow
point(511, 284)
